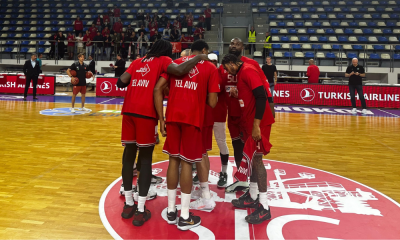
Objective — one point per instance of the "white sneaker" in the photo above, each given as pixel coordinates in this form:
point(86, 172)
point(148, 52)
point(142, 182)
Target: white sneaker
point(150, 195)
point(85, 109)
point(202, 204)
point(196, 194)
point(237, 186)
point(72, 110)
point(122, 190)
point(354, 111)
point(364, 111)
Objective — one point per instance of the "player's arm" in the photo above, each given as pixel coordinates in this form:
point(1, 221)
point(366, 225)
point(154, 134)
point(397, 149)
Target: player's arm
point(362, 73)
point(275, 78)
point(124, 80)
point(158, 102)
point(261, 102)
point(183, 68)
point(212, 99)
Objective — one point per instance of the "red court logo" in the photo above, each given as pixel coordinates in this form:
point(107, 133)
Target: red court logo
point(306, 203)
point(307, 94)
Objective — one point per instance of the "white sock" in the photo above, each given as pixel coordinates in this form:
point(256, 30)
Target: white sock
point(205, 190)
point(171, 200)
point(141, 202)
point(223, 168)
point(185, 201)
point(134, 165)
point(253, 190)
point(129, 198)
point(264, 200)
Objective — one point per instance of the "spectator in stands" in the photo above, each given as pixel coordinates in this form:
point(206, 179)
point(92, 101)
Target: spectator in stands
point(106, 20)
point(175, 34)
point(39, 59)
point(147, 20)
point(31, 70)
point(312, 72)
point(177, 25)
point(207, 13)
point(61, 45)
point(355, 73)
point(78, 26)
point(142, 29)
point(119, 66)
point(98, 22)
point(180, 20)
point(71, 46)
point(79, 39)
point(143, 42)
point(198, 33)
point(156, 18)
point(184, 21)
point(53, 40)
point(133, 39)
point(92, 68)
point(129, 30)
point(111, 16)
point(87, 39)
point(105, 31)
point(140, 19)
point(124, 45)
point(153, 31)
point(184, 41)
point(201, 21)
point(107, 46)
point(163, 20)
point(98, 41)
point(190, 20)
point(252, 40)
point(169, 26)
point(117, 43)
point(117, 13)
point(118, 27)
point(132, 58)
point(93, 31)
point(267, 45)
point(271, 73)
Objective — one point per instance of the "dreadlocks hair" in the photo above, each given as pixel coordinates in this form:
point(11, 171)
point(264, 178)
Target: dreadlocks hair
point(160, 48)
point(230, 58)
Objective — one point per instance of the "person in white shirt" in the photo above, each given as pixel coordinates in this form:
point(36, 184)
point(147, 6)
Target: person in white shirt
point(80, 44)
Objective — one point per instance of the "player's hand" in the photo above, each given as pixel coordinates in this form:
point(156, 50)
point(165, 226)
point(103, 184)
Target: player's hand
point(163, 130)
point(357, 73)
point(351, 73)
point(256, 133)
point(233, 92)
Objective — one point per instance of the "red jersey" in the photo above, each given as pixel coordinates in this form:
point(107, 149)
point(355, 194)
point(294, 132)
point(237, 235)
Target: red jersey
point(221, 109)
point(117, 27)
point(261, 73)
point(153, 31)
point(106, 18)
point(78, 25)
point(117, 12)
point(190, 22)
point(72, 43)
point(201, 18)
point(87, 38)
point(93, 32)
point(105, 32)
point(227, 82)
point(188, 93)
point(98, 21)
point(313, 74)
point(144, 76)
point(207, 13)
point(248, 80)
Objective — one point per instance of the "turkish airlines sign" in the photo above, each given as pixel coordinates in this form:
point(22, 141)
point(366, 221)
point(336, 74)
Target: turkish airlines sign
point(108, 87)
point(16, 84)
point(335, 95)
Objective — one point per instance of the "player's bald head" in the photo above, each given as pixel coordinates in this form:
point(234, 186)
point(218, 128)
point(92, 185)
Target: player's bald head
point(236, 46)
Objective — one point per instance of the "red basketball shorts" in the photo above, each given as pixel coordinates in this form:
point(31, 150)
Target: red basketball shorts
point(206, 133)
point(79, 89)
point(142, 131)
point(234, 127)
point(184, 141)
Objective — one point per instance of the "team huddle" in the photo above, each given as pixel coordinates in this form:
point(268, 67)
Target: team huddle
point(201, 97)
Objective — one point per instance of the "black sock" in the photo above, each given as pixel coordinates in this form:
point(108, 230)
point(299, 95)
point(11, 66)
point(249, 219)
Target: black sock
point(145, 158)
point(224, 158)
point(238, 146)
point(128, 159)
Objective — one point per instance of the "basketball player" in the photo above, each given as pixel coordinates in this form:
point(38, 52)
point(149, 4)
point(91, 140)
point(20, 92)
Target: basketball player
point(184, 117)
point(81, 68)
point(219, 113)
point(234, 110)
point(139, 122)
point(255, 121)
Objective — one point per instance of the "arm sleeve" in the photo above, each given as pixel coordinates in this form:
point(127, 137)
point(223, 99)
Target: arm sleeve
point(348, 70)
point(361, 70)
point(120, 84)
point(73, 67)
point(165, 63)
point(261, 101)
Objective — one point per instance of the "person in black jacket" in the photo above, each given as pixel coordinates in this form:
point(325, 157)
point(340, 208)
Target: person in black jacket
point(119, 66)
point(98, 39)
point(92, 68)
point(52, 41)
point(61, 45)
point(31, 70)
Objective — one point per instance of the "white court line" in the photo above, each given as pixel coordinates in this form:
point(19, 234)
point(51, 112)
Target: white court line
point(389, 113)
point(106, 101)
point(242, 230)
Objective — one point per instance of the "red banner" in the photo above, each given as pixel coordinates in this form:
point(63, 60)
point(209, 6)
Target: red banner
point(335, 95)
point(16, 84)
point(108, 87)
point(176, 47)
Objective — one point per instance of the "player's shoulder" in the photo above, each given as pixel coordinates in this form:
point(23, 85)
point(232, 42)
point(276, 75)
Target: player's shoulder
point(250, 61)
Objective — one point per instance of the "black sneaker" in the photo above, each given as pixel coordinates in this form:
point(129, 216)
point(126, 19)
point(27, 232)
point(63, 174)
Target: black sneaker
point(259, 215)
point(223, 177)
point(141, 217)
point(237, 186)
point(172, 217)
point(128, 211)
point(196, 180)
point(156, 179)
point(191, 222)
point(245, 201)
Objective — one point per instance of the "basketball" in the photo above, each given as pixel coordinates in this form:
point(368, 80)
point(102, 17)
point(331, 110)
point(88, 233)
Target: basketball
point(89, 74)
point(74, 80)
point(73, 73)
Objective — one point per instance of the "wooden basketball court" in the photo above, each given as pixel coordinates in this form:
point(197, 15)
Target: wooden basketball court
point(54, 169)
